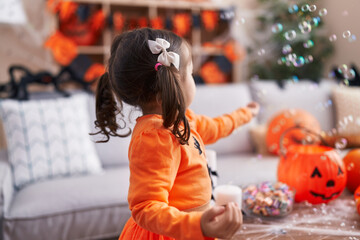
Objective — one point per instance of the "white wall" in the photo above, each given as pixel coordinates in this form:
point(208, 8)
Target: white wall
point(343, 15)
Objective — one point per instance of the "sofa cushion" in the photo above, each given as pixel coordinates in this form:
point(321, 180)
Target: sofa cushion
point(70, 208)
point(215, 100)
point(115, 151)
point(48, 138)
point(307, 95)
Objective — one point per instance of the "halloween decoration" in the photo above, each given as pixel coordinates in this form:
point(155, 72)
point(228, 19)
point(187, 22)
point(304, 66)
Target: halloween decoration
point(357, 199)
point(287, 119)
point(315, 172)
point(64, 49)
point(182, 24)
point(210, 19)
point(157, 23)
point(211, 73)
point(352, 165)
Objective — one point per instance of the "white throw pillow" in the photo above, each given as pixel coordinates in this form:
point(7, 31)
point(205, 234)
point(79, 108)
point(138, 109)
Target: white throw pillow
point(312, 97)
point(48, 138)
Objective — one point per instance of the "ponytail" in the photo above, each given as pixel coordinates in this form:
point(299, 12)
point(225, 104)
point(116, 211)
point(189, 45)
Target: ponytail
point(173, 103)
point(107, 110)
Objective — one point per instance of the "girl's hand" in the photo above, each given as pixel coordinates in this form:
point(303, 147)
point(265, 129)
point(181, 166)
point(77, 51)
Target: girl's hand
point(221, 222)
point(254, 108)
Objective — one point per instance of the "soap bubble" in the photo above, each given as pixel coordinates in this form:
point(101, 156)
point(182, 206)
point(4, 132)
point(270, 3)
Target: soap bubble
point(290, 35)
point(286, 49)
point(314, 21)
point(345, 13)
point(312, 8)
point(299, 61)
point(346, 72)
point(305, 27)
point(323, 12)
point(346, 34)
point(277, 27)
point(281, 60)
point(308, 44)
point(340, 143)
point(332, 38)
point(261, 52)
point(305, 7)
point(291, 57)
point(352, 38)
point(295, 78)
point(309, 59)
point(293, 9)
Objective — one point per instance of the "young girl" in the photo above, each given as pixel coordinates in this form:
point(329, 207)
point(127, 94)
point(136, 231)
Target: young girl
point(170, 188)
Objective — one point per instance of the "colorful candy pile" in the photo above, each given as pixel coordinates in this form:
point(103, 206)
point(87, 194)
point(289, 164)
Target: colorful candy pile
point(267, 199)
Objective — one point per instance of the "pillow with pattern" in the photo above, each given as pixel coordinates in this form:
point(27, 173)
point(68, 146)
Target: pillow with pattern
point(48, 138)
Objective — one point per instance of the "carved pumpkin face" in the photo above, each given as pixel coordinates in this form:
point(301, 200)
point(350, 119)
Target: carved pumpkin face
point(352, 164)
point(285, 120)
point(357, 199)
point(315, 172)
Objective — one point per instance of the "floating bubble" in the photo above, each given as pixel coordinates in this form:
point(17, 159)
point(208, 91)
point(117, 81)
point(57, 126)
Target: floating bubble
point(352, 38)
point(312, 8)
point(286, 49)
point(305, 7)
point(293, 9)
point(345, 13)
point(290, 35)
point(294, 78)
point(340, 143)
point(308, 44)
point(346, 34)
point(291, 57)
point(332, 38)
point(281, 60)
point(323, 12)
point(309, 59)
point(242, 20)
point(304, 27)
point(277, 27)
point(299, 61)
point(346, 72)
point(314, 21)
point(261, 52)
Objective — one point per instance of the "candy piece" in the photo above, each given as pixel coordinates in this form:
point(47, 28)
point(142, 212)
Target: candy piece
point(268, 199)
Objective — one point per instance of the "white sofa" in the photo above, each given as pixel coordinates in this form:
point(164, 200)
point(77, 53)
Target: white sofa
point(95, 206)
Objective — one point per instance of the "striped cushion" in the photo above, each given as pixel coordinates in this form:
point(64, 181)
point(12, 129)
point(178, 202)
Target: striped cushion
point(48, 138)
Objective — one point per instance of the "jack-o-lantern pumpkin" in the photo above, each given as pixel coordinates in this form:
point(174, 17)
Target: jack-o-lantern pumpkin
point(357, 199)
point(352, 164)
point(315, 172)
point(288, 119)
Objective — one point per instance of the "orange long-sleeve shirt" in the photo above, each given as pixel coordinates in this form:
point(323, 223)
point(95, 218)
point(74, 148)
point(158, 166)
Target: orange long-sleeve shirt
point(167, 178)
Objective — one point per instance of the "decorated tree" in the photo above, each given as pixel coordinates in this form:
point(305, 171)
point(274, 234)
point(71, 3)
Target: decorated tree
point(293, 43)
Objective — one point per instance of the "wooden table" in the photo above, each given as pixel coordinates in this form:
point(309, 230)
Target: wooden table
point(336, 220)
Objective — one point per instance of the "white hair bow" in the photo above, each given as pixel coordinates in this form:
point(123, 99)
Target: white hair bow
point(166, 58)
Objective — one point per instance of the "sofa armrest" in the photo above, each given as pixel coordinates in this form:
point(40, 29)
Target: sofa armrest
point(6, 183)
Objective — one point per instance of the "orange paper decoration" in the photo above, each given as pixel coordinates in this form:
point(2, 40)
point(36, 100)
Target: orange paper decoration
point(94, 71)
point(143, 22)
point(315, 172)
point(118, 21)
point(157, 23)
point(352, 164)
point(67, 10)
point(211, 73)
point(97, 21)
point(182, 24)
point(285, 120)
point(210, 19)
point(63, 48)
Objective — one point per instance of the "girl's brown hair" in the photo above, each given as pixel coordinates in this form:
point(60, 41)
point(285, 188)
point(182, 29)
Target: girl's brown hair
point(131, 78)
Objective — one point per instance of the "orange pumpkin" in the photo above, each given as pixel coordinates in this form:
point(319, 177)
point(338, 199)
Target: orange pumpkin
point(285, 120)
point(315, 172)
point(357, 199)
point(352, 164)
